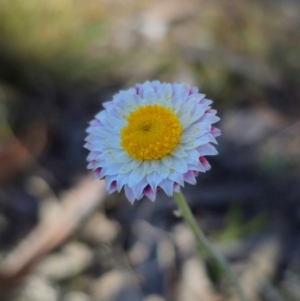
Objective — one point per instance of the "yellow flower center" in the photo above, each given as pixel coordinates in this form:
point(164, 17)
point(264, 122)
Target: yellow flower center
point(152, 132)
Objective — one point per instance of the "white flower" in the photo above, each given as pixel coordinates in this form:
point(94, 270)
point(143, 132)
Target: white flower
point(153, 136)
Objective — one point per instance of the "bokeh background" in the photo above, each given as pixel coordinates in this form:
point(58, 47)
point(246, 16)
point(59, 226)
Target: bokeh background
point(61, 237)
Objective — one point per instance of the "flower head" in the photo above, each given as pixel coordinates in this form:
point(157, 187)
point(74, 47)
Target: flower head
point(152, 137)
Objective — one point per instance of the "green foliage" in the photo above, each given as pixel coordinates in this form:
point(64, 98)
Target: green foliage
point(58, 37)
point(236, 50)
point(235, 228)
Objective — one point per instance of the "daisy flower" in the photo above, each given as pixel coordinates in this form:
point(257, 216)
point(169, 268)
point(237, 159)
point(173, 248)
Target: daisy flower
point(152, 137)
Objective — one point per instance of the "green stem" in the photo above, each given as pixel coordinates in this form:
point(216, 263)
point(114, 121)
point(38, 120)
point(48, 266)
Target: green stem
point(203, 242)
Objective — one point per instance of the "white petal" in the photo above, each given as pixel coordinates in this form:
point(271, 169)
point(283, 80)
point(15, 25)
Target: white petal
point(165, 91)
point(192, 157)
point(101, 115)
point(129, 194)
point(193, 90)
point(98, 147)
point(132, 91)
point(187, 137)
point(168, 161)
point(199, 141)
point(93, 156)
point(88, 146)
point(108, 156)
point(128, 102)
point(109, 170)
point(185, 120)
point(164, 171)
point(206, 138)
point(182, 114)
point(206, 101)
point(176, 177)
point(179, 152)
point(156, 85)
point(180, 92)
point(139, 188)
point(113, 142)
point(197, 129)
point(149, 94)
point(104, 119)
point(121, 157)
point(124, 168)
point(212, 111)
point(197, 167)
point(205, 163)
point(121, 181)
point(176, 108)
point(107, 104)
point(194, 131)
point(209, 118)
point(117, 123)
point(149, 193)
point(147, 167)
point(102, 132)
point(164, 94)
point(176, 187)
point(97, 174)
point(197, 97)
point(92, 164)
point(154, 179)
point(134, 164)
point(215, 131)
point(197, 113)
point(207, 150)
point(92, 128)
point(135, 176)
point(189, 177)
point(167, 185)
point(155, 165)
point(180, 165)
point(108, 181)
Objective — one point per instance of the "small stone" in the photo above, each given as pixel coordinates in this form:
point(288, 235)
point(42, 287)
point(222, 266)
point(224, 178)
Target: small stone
point(195, 284)
point(74, 258)
point(99, 229)
point(184, 240)
point(37, 288)
point(76, 296)
point(115, 285)
point(154, 298)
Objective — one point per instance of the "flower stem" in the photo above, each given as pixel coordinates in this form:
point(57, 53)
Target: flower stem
point(204, 243)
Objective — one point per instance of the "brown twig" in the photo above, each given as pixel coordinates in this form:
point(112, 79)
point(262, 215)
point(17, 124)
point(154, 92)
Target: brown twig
point(76, 205)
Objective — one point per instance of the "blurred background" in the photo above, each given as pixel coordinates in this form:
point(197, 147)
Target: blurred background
point(61, 237)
